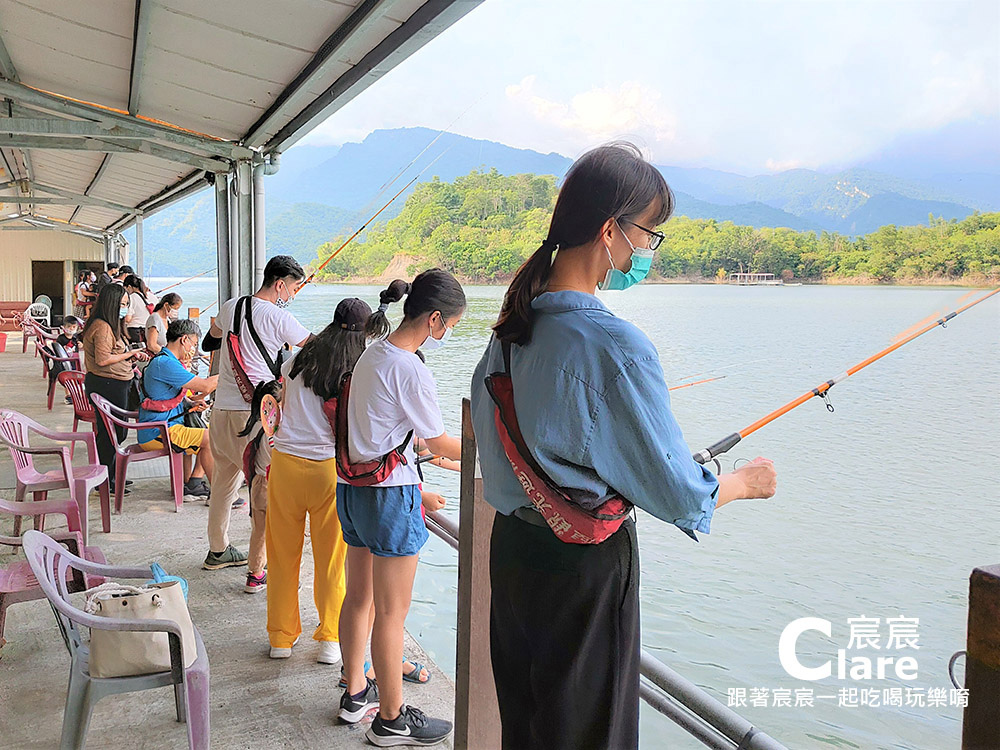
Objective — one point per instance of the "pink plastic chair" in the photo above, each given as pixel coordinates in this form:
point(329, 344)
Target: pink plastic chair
point(83, 409)
point(115, 416)
point(43, 339)
point(17, 582)
point(50, 563)
point(15, 429)
point(48, 359)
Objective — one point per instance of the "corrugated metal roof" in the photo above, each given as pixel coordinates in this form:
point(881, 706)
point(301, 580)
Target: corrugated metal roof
point(176, 88)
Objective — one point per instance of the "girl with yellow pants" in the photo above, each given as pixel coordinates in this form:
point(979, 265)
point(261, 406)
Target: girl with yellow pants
point(303, 482)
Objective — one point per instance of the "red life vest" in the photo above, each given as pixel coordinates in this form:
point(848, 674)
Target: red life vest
point(364, 473)
point(569, 521)
point(243, 381)
point(163, 405)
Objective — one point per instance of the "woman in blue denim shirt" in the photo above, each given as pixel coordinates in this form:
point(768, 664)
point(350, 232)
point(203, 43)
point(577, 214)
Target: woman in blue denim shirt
point(594, 412)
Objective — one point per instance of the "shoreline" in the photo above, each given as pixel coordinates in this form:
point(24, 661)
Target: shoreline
point(930, 283)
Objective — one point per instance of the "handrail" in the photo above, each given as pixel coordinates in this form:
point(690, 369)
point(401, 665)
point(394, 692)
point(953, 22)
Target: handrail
point(702, 716)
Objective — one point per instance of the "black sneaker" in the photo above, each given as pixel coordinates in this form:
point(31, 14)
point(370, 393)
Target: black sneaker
point(352, 711)
point(196, 489)
point(411, 727)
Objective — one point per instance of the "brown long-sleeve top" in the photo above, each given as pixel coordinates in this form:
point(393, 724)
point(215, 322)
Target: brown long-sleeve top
point(99, 342)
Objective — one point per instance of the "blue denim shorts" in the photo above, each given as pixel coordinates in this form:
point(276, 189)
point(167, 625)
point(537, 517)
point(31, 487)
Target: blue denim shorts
point(386, 520)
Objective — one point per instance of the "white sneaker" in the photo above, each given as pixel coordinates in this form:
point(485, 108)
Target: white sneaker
point(329, 652)
point(282, 653)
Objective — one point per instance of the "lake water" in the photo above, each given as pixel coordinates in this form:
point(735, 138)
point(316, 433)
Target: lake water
point(883, 508)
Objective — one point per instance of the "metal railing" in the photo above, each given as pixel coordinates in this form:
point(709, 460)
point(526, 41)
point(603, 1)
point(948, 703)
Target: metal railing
point(703, 717)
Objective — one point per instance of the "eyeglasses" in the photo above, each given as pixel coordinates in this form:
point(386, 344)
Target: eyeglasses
point(658, 237)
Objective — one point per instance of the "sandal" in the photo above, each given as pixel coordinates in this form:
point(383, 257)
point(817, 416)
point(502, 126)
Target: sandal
point(414, 674)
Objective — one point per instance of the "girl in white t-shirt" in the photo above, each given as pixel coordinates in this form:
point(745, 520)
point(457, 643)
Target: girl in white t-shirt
point(393, 399)
point(303, 480)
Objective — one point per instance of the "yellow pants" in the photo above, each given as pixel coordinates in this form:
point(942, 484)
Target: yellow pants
point(298, 486)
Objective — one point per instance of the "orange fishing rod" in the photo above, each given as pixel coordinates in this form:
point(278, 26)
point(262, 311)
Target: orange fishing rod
point(370, 220)
point(183, 282)
point(822, 390)
point(697, 382)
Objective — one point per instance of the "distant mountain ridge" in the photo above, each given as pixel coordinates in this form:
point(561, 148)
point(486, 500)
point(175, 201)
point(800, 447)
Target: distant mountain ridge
point(323, 191)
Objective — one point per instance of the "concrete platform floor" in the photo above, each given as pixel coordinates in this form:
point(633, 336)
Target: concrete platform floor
point(257, 702)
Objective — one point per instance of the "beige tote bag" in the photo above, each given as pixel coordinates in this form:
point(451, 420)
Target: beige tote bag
point(118, 653)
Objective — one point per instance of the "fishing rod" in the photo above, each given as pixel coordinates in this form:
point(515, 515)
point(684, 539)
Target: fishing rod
point(697, 382)
point(370, 220)
point(183, 282)
point(822, 390)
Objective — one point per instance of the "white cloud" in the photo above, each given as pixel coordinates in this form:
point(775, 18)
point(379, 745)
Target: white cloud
point(630, 110)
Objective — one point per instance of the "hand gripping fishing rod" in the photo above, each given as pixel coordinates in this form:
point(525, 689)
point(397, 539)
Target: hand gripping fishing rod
point(822, 390)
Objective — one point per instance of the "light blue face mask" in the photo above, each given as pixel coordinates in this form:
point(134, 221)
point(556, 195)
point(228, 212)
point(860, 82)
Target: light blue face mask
point(122, 312)
point(641, 262)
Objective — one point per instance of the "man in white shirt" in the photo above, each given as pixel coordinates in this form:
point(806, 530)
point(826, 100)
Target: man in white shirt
point(258, 361)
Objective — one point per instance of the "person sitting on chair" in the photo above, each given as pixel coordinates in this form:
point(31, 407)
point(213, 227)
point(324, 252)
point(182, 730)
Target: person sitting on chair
point(171, 391)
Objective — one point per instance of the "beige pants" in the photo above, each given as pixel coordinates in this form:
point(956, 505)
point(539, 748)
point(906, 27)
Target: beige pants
point(228, 448)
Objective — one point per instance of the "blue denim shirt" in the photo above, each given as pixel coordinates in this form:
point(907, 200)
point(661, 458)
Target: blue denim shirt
point(593, 407)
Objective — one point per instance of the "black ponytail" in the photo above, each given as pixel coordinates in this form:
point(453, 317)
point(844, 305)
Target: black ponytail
point(377, 326)
point(434, 290)
point(609, 182)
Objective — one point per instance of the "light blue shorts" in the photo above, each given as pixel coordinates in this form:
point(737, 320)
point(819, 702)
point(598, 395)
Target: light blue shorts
point(386, 520)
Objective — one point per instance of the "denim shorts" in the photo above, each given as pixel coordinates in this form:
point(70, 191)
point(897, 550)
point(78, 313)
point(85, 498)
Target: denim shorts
point(386, 520)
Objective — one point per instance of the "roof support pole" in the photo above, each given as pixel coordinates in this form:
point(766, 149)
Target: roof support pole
point(244, 226)
point(222, 236)
point(139, 259)
point(259, 238)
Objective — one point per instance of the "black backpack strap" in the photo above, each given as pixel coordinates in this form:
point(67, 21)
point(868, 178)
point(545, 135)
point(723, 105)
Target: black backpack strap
point(237, 319)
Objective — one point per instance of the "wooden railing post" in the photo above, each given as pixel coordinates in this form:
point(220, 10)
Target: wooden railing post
point(981, 723)
point(477, 719)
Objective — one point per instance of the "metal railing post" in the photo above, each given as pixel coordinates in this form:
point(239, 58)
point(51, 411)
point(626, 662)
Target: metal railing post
point(981, 721)
point(477, 718)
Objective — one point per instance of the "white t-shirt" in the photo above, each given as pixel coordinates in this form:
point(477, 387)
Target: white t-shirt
point(304, 430)
point(392, 392)
point(138, 310)
point(276, 327)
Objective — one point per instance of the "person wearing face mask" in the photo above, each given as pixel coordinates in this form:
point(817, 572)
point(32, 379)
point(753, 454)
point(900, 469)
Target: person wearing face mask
point(585, 433)
point(252, 332)
point(166, 383)
point(391, 400)
point(164, 313)
point(83, 295)
point(108, 361)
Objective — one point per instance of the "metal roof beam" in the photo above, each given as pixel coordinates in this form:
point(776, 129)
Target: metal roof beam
point(77, 201)
point(81, 199)
point(429, 20)
point(7, 69)
point(191, 184)
point(140, 42)
point(314, 71)
point(193, 142)
point(55, 126)
point(62, 143)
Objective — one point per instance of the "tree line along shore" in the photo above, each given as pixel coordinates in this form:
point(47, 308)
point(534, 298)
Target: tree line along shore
point(482, 226)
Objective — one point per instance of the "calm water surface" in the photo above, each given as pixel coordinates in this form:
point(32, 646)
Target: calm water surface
point(883, 508)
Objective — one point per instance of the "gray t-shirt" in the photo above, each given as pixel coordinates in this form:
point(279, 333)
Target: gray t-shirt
point(155, 321)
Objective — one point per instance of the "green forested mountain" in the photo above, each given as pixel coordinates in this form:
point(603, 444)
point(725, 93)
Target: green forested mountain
point(484, 224)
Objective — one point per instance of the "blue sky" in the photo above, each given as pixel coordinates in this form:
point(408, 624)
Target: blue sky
point(747, 85)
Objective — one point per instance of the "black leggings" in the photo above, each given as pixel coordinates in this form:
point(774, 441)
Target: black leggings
point(117, 392)
point(564, 638)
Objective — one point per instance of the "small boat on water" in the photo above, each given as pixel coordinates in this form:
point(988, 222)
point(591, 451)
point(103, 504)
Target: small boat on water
point(755, 279)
